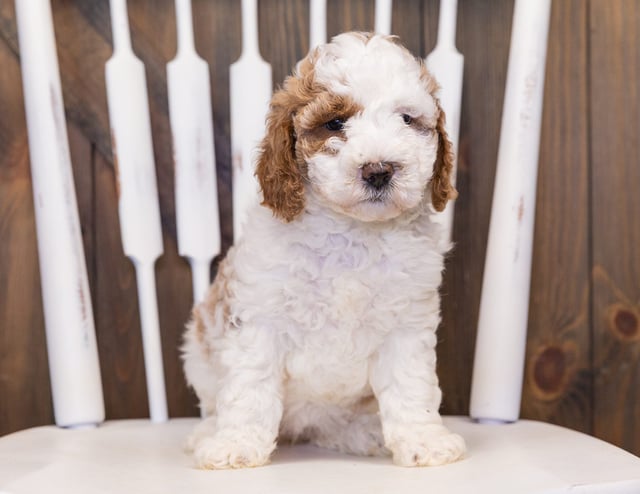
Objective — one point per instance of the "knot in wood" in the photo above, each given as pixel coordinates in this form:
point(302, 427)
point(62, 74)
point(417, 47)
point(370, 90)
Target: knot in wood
point(549, 369)
point(624, 323)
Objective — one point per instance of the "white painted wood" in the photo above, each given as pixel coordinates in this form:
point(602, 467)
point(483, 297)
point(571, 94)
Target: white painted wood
point(447, 66)
point(137, 190)
point(196, 192)
point(71, 342)
point(137, 457)
point(200, 272)
point(383, 9)
point(317, 23)
point(250, 92)
point(504, 307)
point(151, 343)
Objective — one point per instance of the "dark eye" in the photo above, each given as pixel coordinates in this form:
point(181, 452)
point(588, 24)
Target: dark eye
point(407, 118)
point(335, 125)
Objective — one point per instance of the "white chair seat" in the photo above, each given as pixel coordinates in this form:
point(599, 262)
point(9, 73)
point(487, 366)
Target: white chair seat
point(137, 456)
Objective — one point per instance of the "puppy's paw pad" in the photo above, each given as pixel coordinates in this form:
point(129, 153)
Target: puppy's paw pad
point(437, 448)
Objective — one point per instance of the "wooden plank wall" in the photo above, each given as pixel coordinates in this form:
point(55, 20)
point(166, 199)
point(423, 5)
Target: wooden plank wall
point(583, 356)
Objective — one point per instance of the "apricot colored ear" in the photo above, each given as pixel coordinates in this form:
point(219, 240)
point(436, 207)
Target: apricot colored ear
point(277, 171)
point(442, 189)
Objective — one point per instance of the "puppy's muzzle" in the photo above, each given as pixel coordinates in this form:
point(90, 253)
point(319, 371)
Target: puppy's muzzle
point(377, 175)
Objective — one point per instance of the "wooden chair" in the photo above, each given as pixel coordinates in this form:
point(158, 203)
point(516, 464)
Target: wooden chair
point(506, 455)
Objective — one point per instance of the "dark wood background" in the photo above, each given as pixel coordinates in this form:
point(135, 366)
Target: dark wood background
point(583, 355)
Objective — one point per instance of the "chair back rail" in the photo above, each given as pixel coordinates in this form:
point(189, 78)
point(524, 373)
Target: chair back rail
point(71, 341)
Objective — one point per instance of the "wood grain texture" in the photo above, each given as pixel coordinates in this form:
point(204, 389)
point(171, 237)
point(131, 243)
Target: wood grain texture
point(615, 207)
point(279, 47)
point(406, 23)
point(583, 354)
point(349, 15)
point(557, 386)
point(24, 374)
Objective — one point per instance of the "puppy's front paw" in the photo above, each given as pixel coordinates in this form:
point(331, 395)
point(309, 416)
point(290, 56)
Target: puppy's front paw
point(429, 446)
point(234, 448)
point(202, 431)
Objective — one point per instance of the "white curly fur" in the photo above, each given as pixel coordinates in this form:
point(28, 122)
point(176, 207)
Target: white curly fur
point(323, 328)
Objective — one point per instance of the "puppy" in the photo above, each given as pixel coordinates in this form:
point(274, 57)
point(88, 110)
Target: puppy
point(321, 323)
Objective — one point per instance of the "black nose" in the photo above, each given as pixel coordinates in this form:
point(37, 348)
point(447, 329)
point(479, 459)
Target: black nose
point(377, 175)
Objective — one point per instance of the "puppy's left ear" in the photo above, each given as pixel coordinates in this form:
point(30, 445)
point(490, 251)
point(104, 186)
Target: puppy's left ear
point(442, 189)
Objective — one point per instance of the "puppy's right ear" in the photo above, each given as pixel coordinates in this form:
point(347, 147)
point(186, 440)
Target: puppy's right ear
point(277, 171)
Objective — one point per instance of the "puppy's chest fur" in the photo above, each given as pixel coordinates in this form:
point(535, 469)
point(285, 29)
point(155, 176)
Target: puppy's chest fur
point(338, 310)
point(334, 293)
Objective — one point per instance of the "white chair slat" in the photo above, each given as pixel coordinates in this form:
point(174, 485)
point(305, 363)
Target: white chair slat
point(196, 190)
point(138, 206)
point(446, 64)
point(498, 368)
point(250, 91)
point(71, 341)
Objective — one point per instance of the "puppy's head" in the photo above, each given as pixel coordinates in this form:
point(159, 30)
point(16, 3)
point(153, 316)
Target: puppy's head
point(358, 126)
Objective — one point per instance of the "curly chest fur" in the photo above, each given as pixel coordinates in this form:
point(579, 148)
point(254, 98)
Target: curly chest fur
point(338, 311)
point(334, 296)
